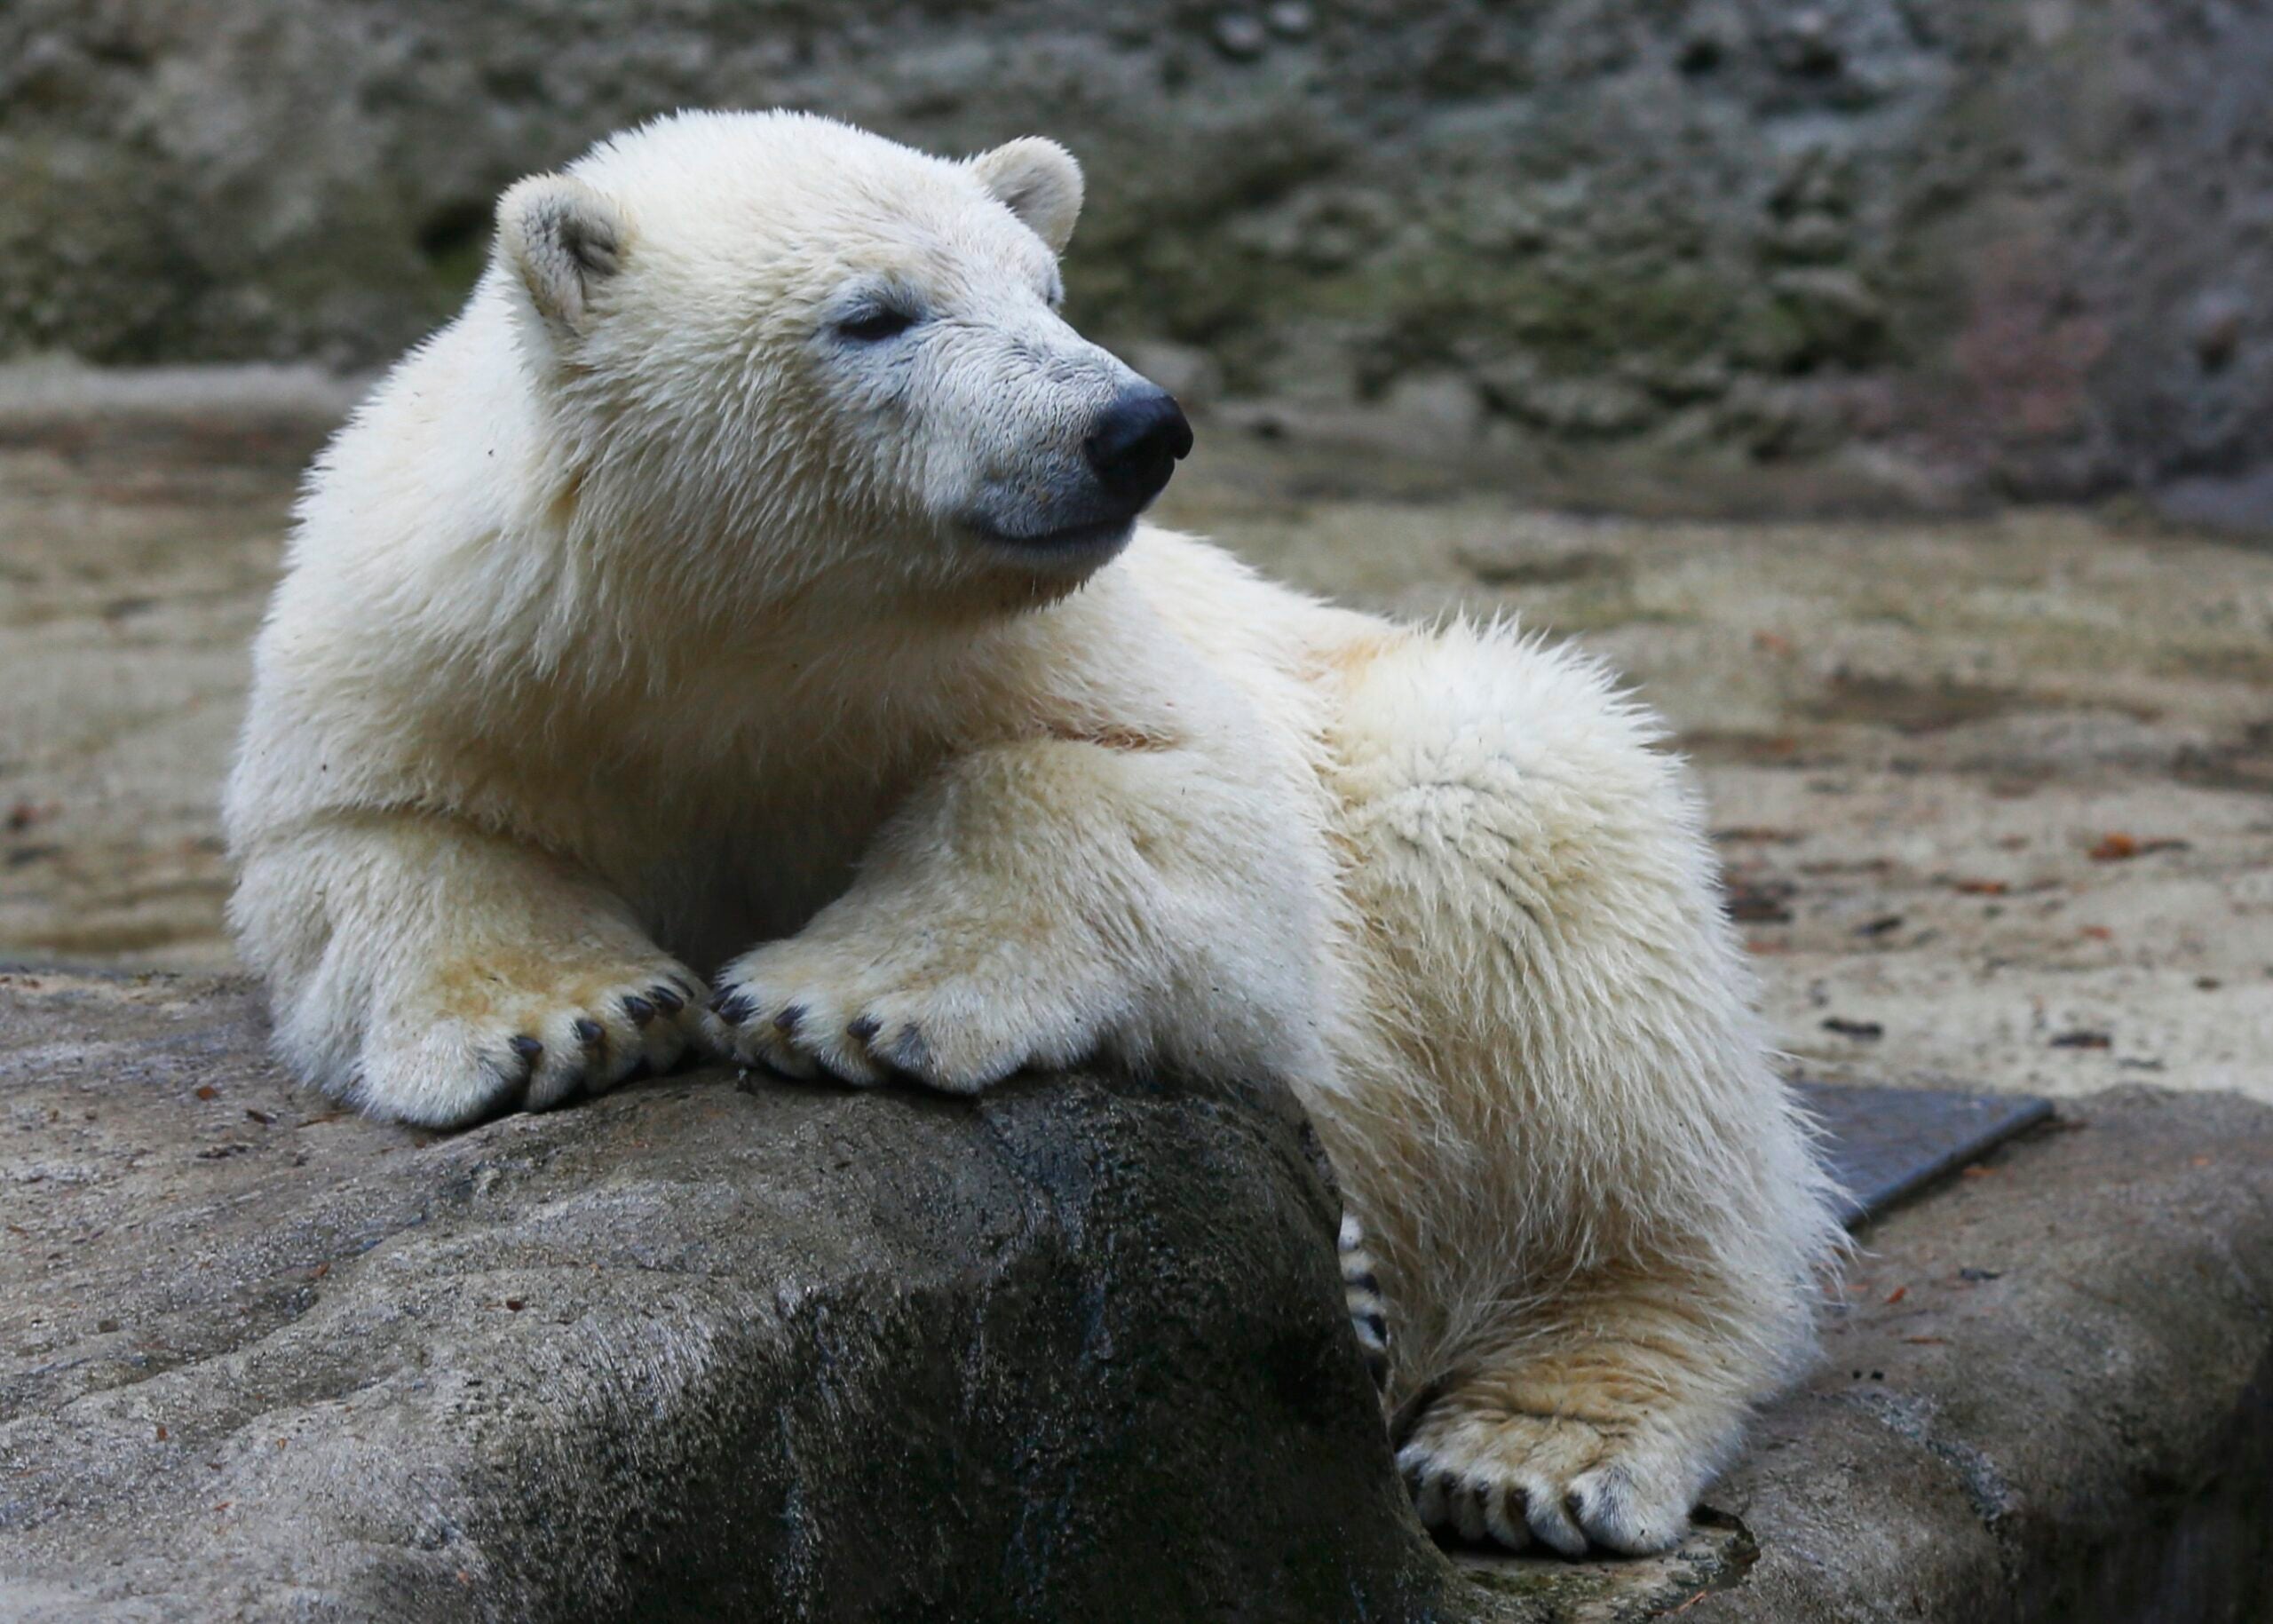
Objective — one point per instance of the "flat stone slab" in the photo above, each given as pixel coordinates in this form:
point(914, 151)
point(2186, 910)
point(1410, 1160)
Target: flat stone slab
point(1072, 1352)
point(1885, 1146)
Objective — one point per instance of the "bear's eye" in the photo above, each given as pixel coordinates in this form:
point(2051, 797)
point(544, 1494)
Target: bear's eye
point(874, 325)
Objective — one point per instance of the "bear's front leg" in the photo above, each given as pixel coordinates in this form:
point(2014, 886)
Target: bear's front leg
point(1036, 904)
point(430, 973)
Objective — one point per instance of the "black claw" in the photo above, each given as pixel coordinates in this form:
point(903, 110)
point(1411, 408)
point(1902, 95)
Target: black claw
point(665, 999)
point(530, 1050)
point(590, 1033)
point(908, 1052)
point(733, 1008)
point(1573, 1506)
point(786, 1021)
point(639, 1010)
point(640, 1071)
point(864, 1029)
point(1365, 1282)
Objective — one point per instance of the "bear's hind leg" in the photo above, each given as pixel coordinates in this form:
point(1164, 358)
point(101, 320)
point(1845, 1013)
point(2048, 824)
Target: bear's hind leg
point(1596, 1214)
point(1601, 1431)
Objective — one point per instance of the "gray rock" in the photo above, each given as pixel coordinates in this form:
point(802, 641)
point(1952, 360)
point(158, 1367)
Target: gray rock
point(1074, 1350)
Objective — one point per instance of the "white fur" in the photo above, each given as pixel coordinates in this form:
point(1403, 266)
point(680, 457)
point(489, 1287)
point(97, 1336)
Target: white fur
point(641, 616)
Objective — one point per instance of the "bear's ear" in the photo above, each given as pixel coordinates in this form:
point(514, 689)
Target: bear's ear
point(1038, 181)
point(563, 239)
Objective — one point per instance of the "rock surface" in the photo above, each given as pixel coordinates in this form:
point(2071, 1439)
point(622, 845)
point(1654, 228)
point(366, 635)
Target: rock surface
point(1840, 249)
point(1073, 1352)
point(695, 1352)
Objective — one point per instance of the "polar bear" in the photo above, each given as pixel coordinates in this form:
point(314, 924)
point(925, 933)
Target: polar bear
point(732, 635)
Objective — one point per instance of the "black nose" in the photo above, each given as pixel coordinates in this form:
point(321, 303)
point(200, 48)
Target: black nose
point(1136, 442)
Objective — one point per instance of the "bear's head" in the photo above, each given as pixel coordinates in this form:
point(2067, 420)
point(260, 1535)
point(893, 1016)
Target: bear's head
point(832, 357)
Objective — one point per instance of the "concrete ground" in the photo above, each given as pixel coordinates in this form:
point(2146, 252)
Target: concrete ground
point(1996, 795)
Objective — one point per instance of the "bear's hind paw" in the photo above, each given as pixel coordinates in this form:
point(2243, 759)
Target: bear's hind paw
point(1361, 1294)
point(1516, 1479)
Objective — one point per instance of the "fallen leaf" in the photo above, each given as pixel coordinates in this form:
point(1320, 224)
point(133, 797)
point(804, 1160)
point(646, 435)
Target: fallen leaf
point(2115, 848)
point(2096, 933)
point(1983, 888)
point(206, 1090)
point(1896, 1295)
point(2081, 1039)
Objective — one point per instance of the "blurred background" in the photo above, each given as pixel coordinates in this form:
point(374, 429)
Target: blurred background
point(1886, 385)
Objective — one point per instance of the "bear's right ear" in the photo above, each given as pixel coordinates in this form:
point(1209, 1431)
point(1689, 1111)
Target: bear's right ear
point(563, 239)
point(1037, 180)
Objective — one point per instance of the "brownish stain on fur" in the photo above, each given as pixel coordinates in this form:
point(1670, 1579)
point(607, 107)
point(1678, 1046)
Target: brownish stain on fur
point(1345, 662)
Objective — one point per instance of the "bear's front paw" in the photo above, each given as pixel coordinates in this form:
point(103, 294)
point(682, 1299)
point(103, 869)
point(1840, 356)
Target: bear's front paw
point(1509, 1477)
point(473, 1044)
point(862, 1015)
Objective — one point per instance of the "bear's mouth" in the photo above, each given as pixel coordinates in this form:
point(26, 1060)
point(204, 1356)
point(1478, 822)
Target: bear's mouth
point(1094, 540)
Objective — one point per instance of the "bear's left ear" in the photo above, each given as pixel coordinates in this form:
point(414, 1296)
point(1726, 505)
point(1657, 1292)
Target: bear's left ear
point(563, 238)
point(1038, 181)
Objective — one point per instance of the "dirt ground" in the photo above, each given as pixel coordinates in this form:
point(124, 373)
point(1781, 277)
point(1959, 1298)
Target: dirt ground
point(1996, 795)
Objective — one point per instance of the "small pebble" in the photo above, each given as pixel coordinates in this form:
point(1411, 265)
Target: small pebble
point(1290, 19)
point(1239, 35)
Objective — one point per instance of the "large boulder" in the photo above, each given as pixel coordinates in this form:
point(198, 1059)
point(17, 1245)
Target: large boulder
point(1073, 1351)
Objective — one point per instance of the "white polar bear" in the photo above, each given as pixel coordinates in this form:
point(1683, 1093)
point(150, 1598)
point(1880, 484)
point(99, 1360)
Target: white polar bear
point(755, 561)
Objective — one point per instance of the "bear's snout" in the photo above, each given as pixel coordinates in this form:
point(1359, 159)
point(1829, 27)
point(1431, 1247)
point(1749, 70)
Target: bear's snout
point(1136, 442)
